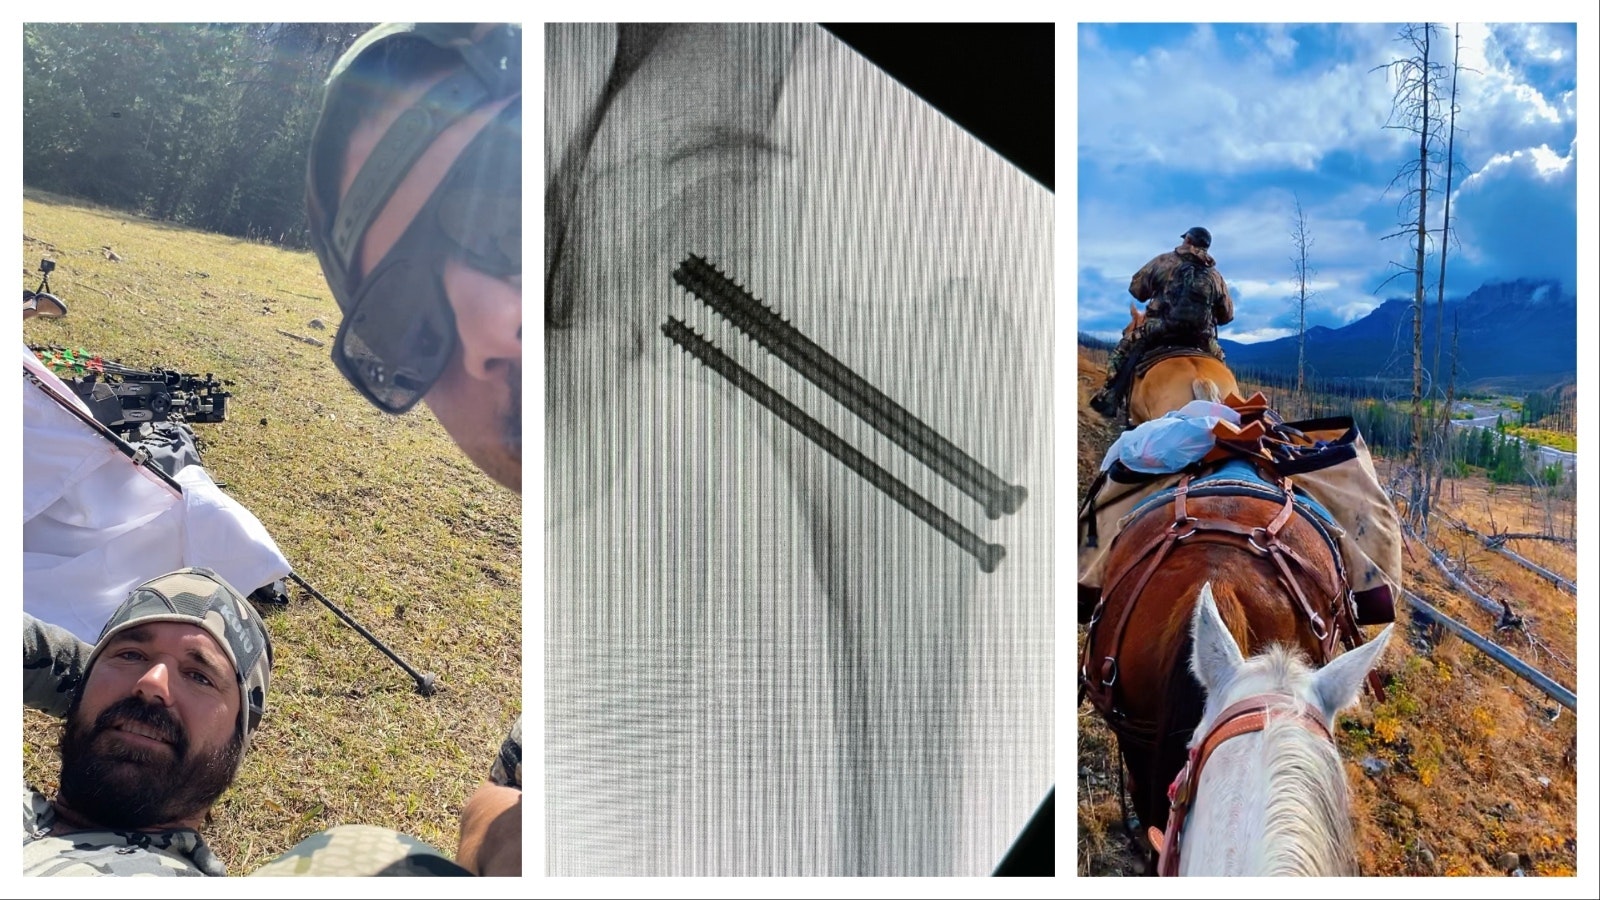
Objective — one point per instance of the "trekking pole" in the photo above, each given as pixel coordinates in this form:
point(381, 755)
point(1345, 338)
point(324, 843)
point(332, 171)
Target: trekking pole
point(425, 680)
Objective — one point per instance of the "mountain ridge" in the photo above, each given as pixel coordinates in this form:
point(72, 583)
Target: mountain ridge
point(1520, 332)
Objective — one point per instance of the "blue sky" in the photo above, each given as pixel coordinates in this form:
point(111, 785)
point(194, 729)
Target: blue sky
point(1222, 125)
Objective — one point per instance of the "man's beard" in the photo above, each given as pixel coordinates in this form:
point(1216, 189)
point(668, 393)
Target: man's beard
point(115, 785)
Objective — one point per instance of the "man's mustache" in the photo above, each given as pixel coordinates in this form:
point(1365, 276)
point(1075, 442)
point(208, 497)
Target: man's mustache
point(150, 716)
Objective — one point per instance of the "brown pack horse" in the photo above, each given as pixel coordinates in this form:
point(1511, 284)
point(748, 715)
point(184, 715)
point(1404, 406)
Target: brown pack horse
point(1275, 576)
point(1172, 381)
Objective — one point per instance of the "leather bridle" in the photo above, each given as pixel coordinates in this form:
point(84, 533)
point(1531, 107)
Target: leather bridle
point(1247, 716)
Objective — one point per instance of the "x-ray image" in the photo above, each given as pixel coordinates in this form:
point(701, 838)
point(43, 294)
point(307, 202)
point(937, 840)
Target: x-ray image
point(799, 495)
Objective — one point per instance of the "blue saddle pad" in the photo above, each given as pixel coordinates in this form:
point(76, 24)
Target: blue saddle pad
point(1238, 476)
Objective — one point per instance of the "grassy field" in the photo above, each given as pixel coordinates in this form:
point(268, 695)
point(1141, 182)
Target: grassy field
point(1462, 769)
point(381, 514)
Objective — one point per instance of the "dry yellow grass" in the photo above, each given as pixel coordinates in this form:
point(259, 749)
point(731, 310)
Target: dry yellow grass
point(382, 514)
point(1472, 766)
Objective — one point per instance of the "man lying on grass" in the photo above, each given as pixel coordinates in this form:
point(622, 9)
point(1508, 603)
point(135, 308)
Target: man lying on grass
point(158, 714)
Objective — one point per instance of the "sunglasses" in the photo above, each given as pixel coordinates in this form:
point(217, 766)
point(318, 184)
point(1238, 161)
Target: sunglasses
point(400, 331)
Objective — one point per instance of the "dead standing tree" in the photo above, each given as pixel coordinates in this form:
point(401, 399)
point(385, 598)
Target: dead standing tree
point(1302, 242)
point(1417, 79)
point(1440, 442)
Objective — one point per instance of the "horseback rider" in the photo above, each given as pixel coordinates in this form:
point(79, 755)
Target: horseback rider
point(1188, 300)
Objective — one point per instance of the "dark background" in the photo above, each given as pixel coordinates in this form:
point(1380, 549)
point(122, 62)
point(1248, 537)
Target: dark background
point(996, 80)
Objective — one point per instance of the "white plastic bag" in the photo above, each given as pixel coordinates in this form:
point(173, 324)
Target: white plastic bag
point(1171, 442)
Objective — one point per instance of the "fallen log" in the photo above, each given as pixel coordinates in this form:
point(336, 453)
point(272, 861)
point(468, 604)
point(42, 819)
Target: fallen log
point(1460, 583)
point(1494, 651)
point(1504, 536)
point(1535, 568)
point(1497, 543)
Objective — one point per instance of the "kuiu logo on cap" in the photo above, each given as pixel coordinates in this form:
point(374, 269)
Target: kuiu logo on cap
point(237, 632)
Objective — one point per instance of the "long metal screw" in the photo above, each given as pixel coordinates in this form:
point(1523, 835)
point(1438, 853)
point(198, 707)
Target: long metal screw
point(988, 555)
point(821, 368)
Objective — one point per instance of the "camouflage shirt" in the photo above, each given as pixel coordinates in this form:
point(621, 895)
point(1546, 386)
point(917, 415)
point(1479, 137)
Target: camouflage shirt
point(507, 769)
point(1151, 280)
point(180, 851)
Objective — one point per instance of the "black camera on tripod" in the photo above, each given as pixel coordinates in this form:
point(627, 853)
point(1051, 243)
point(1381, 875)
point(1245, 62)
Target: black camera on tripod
point(40, 303)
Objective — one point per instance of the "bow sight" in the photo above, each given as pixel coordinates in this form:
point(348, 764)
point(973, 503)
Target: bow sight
point(123, 398)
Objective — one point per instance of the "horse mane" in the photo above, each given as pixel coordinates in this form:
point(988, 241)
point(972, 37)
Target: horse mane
point(1306, 818)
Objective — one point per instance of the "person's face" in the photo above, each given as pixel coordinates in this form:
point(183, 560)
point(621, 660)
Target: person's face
point(152, 740)
point(478, 398)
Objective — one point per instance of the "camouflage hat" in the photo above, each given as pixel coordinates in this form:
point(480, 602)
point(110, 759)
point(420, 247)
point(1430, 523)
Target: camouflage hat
point(199, 597)
point(489, 68)
point(1199, 237)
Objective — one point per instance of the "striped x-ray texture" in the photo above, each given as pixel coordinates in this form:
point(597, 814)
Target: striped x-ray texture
point(761, 656)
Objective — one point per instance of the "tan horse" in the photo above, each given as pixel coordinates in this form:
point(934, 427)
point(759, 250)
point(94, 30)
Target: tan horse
point(1174, 381)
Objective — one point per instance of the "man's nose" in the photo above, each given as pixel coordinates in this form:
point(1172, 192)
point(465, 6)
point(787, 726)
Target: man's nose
point(153, 686)
point(488, 321)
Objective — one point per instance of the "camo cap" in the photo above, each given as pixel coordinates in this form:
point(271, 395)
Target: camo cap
point(198, 596)
point(1199, 237)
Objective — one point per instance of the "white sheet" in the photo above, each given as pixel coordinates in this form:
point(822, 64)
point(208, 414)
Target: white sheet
point(95, 524)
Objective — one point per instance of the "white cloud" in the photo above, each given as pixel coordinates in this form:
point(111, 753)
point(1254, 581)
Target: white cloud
point(1259, 334)
point(1214, 108)
point(1287, 288)
point(1519, 215)
point(1279, 43)
point(1544, 43)
point(1357, 309)
point(1547, 163)
point(1499, 105)
point(1540, 160)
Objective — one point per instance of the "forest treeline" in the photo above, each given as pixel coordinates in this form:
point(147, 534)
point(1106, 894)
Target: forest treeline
point(201, 125)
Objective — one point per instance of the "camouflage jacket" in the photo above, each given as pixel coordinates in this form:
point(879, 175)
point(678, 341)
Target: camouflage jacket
point(507, 769)
point(1151, 280)
point(52, 665)
point(180, 851)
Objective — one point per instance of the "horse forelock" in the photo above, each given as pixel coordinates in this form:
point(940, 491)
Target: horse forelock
point(1297, 791)
point(1277, 670)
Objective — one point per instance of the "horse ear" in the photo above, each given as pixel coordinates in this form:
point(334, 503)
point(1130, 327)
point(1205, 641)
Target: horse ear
point(1216, 655)
point(1338, 684)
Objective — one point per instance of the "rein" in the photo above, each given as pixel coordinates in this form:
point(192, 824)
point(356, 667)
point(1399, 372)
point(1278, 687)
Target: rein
point(1245, 717)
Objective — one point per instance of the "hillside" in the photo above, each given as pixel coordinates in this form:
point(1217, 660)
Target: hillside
point(1515, 335)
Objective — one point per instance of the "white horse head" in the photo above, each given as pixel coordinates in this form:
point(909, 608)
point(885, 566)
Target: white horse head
point(1273, 801)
